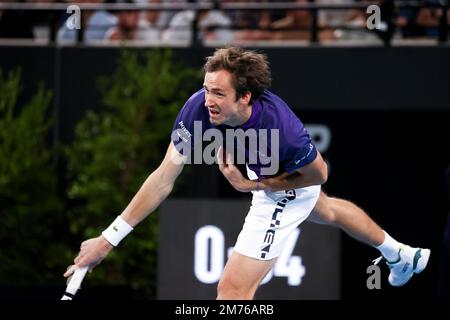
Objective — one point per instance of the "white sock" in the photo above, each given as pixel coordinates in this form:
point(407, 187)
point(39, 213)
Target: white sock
point(389, 248)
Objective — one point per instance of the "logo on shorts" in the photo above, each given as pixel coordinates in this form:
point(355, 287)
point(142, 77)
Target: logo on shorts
point(270, 234)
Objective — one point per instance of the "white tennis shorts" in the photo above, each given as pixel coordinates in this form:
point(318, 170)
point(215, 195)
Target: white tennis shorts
point(271, 219)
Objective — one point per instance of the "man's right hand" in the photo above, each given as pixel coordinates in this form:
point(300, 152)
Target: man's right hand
point(92, 252)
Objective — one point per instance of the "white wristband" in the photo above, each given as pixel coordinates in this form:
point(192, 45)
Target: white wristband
point(118, 230)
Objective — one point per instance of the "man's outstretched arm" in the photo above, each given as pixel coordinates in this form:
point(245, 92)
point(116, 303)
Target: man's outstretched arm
point(154, 190)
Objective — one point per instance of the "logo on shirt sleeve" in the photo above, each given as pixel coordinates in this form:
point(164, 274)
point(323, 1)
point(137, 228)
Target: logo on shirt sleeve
point(183, 133)
point(310, 148)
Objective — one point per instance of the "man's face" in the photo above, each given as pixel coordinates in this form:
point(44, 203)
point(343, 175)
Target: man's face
point(220, 99)
point(129, 20)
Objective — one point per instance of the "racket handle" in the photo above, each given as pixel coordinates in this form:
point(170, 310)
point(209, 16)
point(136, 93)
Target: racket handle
point(74, 283)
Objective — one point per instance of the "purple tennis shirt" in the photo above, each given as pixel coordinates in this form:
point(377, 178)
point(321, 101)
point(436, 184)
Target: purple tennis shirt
point(273, 136)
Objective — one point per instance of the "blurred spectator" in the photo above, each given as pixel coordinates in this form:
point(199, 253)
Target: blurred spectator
point(165, 17)
point(429, 19)
point(213, 25)
point(345, 24)
point(245, 19)
point(133, 26)
point(96, 24)
point(412, 22)
point(153, 23)
point(157, 20)
point(254, 24)
point(127, 26)
point(406, 20)
point(295, 26)
point(333, 23)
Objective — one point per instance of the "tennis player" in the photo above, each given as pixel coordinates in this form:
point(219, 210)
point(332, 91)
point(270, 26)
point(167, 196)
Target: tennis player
point(285, 172)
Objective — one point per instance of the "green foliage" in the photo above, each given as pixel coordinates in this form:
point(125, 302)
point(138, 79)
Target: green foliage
point(113, 153)
point(30, 208)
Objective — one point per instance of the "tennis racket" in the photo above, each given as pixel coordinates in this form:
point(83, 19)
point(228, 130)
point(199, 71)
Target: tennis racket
point(74, 283)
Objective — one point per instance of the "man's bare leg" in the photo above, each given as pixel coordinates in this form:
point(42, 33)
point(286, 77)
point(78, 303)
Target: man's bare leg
point(403, 260)
point(242, 276)
point(348, 217)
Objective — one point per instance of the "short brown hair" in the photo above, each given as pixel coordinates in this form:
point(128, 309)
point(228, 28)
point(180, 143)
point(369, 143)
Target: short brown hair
point(250, 69)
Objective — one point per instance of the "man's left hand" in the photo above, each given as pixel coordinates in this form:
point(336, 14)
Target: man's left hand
point(232, 173)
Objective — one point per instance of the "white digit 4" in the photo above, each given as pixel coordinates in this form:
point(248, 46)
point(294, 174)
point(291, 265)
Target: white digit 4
point(288, 265)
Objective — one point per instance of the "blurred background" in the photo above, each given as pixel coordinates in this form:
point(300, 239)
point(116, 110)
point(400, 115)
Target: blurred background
point(89, 91)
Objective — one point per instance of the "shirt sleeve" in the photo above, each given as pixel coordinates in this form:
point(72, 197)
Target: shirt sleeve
point(183, 127)
point(300, 150)
point(304, 156)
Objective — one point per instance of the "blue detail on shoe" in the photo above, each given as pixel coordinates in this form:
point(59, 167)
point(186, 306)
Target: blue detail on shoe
point(405, 267)
point(417, 256)
point(390, 263)
point(410, 261)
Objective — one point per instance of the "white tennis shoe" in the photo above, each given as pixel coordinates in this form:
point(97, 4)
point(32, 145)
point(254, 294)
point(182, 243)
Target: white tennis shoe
point(410, 260)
